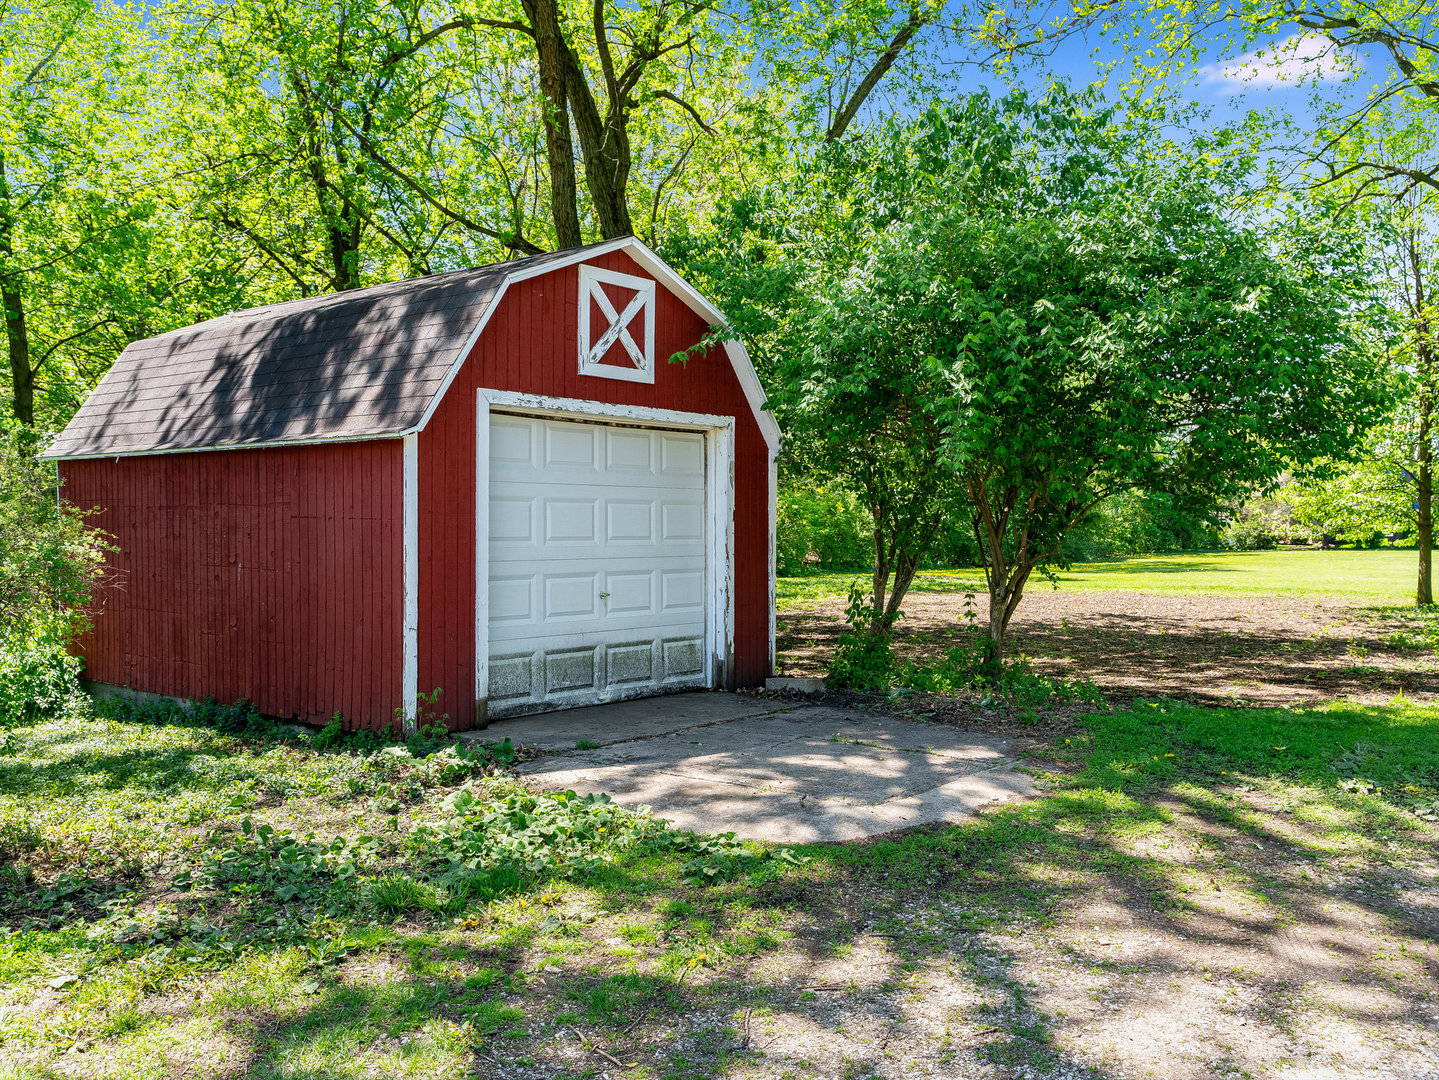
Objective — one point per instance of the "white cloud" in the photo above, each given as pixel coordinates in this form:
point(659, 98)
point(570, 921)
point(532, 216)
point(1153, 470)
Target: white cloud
point(1284, 63)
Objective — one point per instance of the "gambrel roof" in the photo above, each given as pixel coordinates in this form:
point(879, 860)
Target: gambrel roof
point(369, 363)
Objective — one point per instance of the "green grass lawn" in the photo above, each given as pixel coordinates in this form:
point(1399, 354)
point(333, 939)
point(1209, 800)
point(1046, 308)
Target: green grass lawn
point(164, 909)
point(1377, 577)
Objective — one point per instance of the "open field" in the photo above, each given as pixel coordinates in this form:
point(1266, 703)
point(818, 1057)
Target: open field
point(1200, 893)
point(1377, 577)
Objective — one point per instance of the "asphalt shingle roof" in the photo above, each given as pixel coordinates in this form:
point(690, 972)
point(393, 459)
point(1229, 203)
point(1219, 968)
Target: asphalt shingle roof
point(356, 364)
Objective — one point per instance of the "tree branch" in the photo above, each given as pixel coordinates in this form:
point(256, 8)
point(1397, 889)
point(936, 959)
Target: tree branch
point(882, 64)
point(687, 107)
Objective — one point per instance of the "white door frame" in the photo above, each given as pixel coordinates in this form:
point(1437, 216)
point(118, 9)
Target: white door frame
point(719, 517)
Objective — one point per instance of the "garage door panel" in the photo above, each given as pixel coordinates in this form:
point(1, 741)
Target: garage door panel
point(512, 679)
point(681, 591)
point(507, 554)
point(512, 598)
point(631, 664)
point(631, 593)
point(571, 521)
point(512, 441)
point(682, 454)
point(537, 635)
point(629, 521)
point(522, 479)
point(512, 519)
point(683, 659)
point(682, 521)
point(570, 446)
point(568, 670)
point(569, 597)
point(597, 563)
point(629, 452)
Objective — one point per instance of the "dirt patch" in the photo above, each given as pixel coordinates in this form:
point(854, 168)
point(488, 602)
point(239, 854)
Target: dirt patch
point(1210, 649)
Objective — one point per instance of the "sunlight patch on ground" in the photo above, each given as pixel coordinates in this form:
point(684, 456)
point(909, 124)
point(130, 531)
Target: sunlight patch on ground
point(1383, 577)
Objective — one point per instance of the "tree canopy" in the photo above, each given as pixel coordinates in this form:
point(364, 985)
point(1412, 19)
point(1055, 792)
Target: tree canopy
point(1021, 311)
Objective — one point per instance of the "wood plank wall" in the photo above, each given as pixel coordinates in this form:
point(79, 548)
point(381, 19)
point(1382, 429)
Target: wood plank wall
point(270, 574)
point(530, 346)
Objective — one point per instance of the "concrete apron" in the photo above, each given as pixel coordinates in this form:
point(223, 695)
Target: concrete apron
point(764, 770)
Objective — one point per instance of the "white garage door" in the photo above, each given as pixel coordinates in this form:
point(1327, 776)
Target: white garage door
point(597, 563)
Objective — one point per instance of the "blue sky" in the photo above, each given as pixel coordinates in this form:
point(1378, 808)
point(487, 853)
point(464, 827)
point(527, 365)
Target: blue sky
point(1281, 75)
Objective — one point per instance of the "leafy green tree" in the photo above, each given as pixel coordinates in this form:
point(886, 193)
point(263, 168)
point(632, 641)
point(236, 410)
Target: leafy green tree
point(1351, 502)
point(50, 561)
point(1139, 342)
point(298, 125)
point(58, 206)
point(1038, 315)
point(822, 524)
point(1367, 124)
point(95, 247)
point(1390, 487)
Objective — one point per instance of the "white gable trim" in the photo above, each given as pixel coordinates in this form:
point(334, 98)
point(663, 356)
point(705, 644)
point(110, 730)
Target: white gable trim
point(664, 275)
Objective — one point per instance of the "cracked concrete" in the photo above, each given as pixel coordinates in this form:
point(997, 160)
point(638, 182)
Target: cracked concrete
point(767, 770)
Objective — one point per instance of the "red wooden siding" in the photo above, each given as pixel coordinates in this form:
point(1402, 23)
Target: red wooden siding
point(529, 346)
point(268, 574)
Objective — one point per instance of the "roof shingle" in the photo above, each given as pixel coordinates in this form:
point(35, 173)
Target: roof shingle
point(357, 364)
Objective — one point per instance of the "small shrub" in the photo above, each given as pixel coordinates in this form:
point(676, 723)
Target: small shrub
point(531, 832)
point(723, 858)
point(331, 735)
point(50, 560)
point(822, 527)
point(50, 564)
point(866, 662)
point(37, 678)
point(1248, 534)
point(863, 659)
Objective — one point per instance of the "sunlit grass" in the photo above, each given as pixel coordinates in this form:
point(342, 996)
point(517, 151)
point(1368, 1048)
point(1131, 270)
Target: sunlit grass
point(1378, 577)
point(631, 943)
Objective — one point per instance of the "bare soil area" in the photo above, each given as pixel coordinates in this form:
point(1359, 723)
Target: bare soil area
point(1206, 649)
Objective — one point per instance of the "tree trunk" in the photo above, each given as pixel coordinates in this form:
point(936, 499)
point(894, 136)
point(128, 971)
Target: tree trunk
point(22, 378)
point(998, 627)
point(551, 53)
point(881, 581)
point(17, 338)
point(605, 145)
point(1424, 486)
point(1424, 497)
point(1006, 589)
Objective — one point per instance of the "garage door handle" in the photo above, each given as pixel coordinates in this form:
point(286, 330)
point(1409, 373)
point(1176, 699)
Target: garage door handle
point(604, 595)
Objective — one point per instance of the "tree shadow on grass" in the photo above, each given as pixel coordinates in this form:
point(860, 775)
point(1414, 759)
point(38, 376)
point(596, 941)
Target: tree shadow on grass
point(877, 958)
point(930, 908)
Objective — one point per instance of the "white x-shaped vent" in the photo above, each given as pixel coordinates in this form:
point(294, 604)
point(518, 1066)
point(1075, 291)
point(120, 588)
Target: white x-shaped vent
point(615, 326)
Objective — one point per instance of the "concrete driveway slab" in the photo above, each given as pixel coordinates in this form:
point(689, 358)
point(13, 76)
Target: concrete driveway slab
point(720, 763)
point(625, 721)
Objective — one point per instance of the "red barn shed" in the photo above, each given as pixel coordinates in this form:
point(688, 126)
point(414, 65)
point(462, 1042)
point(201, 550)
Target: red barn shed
point(489, 482)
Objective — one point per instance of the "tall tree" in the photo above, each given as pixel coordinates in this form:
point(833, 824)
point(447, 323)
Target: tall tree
point(1020, 312)
point(305, 124)
point(76, 216)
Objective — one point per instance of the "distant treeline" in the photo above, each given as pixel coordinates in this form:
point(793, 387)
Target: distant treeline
point(823, 527)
